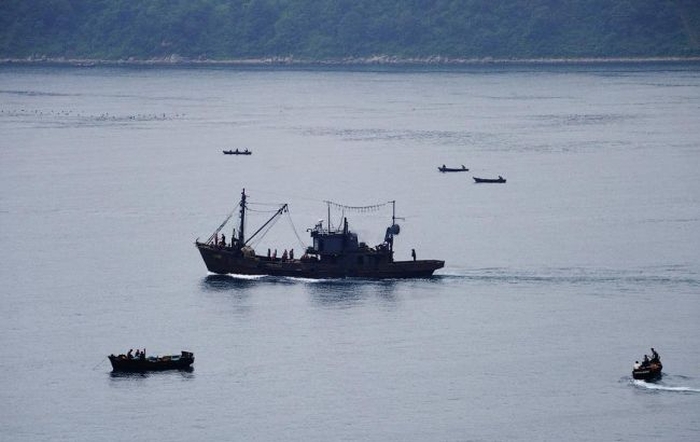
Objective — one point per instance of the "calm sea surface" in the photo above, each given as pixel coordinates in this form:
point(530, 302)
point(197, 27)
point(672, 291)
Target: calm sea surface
point(554, 282)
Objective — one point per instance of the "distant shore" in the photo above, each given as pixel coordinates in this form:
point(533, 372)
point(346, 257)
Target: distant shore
point(379, 60)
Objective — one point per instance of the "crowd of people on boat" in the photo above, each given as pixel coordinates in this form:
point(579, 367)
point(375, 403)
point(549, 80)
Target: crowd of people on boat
point(286, 256)
point(648, 361)
point(230, 151)
point(220, 241)
point(139, 354)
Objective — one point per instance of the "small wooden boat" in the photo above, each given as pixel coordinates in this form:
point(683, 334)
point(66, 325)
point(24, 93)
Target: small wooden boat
point(151, 363)
point(500, 179)
point(237, 152)
point(649, 372)
point(444, 169)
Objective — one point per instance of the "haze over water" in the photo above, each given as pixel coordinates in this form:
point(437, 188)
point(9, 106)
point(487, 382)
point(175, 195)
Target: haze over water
point(554, 282)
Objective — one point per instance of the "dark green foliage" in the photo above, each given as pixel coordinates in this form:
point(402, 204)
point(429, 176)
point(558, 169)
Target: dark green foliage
point(318, 29)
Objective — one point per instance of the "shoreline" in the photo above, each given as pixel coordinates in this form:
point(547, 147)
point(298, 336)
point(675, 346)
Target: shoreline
point(380, 60)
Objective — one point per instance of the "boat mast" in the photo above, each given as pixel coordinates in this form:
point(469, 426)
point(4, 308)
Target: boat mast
point(393, 223)
point(241, 235)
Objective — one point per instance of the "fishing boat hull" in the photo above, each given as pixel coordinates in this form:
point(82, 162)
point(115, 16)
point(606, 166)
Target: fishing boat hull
point(489, 180)
point(233, 152)
point(224, 260)
point(649, 373)
point(452, 169)
point(123, 363)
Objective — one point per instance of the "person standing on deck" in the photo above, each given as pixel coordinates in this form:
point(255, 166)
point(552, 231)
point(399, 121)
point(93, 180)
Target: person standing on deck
point(654, 355)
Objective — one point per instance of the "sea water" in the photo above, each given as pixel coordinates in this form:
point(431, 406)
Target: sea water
point(554, 283)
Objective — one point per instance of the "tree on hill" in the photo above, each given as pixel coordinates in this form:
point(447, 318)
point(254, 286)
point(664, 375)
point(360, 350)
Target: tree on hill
point(318, 29)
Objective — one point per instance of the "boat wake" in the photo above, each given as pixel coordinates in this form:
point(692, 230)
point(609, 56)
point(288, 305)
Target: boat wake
point(660, 386)
point(323, 281)
point(243, 277)
point(576, 275)
point(217, 283)
point(234, 281)
point(289, 279)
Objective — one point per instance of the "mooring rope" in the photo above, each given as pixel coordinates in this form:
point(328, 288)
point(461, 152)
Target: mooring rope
point(101, 362)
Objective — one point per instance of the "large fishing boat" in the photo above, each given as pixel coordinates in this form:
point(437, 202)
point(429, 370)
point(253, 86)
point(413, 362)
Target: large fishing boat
point(335, 253)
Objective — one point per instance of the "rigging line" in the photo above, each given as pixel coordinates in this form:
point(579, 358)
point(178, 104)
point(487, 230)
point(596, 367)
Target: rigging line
point(264, 211)
point(266, 204)
point(287, 196)
point(216, 232)
point(301, 243)
point(101, 362)
point(368, 208)
point(264, 232)
point(273, 219)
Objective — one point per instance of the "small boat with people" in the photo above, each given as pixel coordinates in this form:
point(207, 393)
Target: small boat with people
point(444, 169)
point(336, 251)
point(500, 179)
point(139, 362)
point(649, 369)
point(238, 152)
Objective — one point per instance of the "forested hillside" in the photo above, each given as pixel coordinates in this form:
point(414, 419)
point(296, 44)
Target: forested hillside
point(337, 29)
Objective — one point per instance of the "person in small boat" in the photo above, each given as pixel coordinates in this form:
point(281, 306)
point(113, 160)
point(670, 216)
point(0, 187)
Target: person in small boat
point(291, 254)
point(654, 355)
point(129, 353)
point(223, 240)
point(645, 362)
point(637, 365)
point(284, 255)
point(413, 254)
